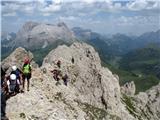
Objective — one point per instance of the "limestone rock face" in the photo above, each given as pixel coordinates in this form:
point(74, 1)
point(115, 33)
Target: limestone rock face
point(93, 84)
point(148, 103)
point(92, 92)
point(145, 105)
point(128, 88)
point(17, 58)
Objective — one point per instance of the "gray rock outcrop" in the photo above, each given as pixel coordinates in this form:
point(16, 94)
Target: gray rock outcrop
point(147, 103)
point(17, 58)
point(128, 88)
point(93, 92)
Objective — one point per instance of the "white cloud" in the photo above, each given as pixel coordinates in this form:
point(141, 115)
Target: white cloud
point(89, 1)
point(57, 1)
point(10, 7)
point(11, 14)
point(68, 18)
point(86, 12)
point(51, 8)
point(137, 5)
point(41, 1)
point(46, 14)
point(117, 5)
point(135, 21)
point(143, 4)
point(15, 7)
point(29, 9)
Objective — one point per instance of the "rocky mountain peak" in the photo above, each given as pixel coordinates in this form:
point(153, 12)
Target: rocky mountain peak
point(34, 34)
point(61, 24)
point(129, 88)
point(28, 26)
point(90, 88)
point(92, 91)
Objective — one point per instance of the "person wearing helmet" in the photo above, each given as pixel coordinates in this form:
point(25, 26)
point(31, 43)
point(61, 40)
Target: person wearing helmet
point(26, 60)
point(13, 84)
point(26, 73)
point(18, 73)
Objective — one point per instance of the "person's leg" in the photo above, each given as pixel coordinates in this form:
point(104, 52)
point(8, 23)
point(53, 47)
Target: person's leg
point(28, 82)
point(23, 82)
point(65, 82)
point(17, 90)
point(3, 105)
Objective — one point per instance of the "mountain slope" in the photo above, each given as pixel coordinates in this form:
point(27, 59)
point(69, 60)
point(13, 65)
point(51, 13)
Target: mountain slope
point(93, 92)
point(144, 59)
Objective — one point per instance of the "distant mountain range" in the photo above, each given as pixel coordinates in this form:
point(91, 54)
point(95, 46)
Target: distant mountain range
point(5, 36)
point(118, 44)
point(39, 35)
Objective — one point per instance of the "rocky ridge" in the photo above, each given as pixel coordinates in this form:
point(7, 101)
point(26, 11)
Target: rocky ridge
point(93, 92)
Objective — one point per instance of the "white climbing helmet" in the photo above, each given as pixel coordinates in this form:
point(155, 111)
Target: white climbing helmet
point(13, 77)
point(14, 68)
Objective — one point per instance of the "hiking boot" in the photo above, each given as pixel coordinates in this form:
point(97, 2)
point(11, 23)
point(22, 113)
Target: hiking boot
point(22, 91)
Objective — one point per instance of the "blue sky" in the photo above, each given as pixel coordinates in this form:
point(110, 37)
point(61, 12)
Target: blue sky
point(104, 16)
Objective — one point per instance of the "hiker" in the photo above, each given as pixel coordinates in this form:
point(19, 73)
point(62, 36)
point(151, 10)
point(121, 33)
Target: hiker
point(18, 73)
point(13, 84)
point(72, 60)
point(59, 63)
point(56, 74)
point(65, 79)
point(26, 73)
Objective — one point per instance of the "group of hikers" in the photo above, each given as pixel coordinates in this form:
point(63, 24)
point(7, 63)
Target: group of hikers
point(14, 83)
point(57, 74)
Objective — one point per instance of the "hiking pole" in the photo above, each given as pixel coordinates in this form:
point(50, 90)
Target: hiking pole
point(29, 38)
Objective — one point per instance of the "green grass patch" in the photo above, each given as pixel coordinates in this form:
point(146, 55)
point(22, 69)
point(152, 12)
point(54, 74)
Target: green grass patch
point(143, 82)
point(22, 115)
point(96, 113)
